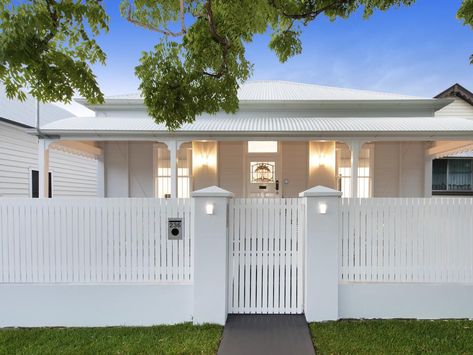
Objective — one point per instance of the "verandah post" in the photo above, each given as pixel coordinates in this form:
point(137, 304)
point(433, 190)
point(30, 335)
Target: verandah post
point(43, 167)
point(321, 253)
point(210, 228)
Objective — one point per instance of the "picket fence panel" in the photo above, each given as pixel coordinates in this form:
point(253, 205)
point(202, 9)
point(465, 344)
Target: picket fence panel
point(116, 240)
point(406, 240)
point(266, 255)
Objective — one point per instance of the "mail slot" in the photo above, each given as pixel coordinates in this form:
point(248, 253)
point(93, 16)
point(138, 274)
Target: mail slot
point(175, 228)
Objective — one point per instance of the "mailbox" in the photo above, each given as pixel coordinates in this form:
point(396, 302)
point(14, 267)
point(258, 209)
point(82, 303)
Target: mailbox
point(175, 229)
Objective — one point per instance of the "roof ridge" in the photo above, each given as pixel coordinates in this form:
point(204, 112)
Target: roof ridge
point(324, 90)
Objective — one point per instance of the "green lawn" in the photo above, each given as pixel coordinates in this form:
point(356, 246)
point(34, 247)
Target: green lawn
point(393, 337)
point(176, 339)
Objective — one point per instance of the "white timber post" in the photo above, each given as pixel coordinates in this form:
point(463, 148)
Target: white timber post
point(43, 167)
point(428, 175)
point(173, 147)
point(321, 253)
point(355, 147)
point(210, 228)
point(101, 175)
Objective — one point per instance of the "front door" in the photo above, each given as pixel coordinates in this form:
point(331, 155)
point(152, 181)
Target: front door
point(263, 175)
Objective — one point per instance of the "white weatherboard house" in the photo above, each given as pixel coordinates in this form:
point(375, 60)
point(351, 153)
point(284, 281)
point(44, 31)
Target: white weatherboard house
point(72, 171)
point(285, 138)
point(309, 199)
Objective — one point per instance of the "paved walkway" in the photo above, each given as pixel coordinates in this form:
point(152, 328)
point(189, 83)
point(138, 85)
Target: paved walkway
point(266, 334)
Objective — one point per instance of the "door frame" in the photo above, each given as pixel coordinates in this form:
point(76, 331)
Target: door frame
point(248, 157)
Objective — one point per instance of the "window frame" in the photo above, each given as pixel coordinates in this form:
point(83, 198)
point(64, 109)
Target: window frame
point(31, 172)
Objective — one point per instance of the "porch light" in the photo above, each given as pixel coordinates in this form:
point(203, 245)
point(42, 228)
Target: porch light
point(321, 160)
point(209, 208)
point(203, 160)
point(322, 208)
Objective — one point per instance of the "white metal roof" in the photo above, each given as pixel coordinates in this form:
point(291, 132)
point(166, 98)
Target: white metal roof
point(277, 90)
point(248, 123)
point(24, 112)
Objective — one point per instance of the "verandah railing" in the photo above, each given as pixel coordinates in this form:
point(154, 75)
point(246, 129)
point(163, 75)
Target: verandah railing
point(406, 240)
point(93, 241)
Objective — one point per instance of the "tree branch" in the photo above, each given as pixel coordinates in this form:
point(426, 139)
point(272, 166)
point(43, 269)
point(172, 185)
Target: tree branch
point(224, 42)
point(312, 13)
point(54, 18)
point(165, 31)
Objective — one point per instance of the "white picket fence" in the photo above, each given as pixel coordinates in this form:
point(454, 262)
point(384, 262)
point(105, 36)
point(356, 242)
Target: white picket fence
point(266, 256)
point(93, 241)
point(407, 240)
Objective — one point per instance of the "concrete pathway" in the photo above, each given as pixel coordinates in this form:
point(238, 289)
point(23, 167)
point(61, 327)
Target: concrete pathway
point(266, 334)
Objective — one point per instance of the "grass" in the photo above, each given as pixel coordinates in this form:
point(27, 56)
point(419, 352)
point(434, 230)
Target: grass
point(173, 339)
point(393, 337)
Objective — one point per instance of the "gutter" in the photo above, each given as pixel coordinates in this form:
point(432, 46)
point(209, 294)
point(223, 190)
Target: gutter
point(243, 135)
point(14, 123)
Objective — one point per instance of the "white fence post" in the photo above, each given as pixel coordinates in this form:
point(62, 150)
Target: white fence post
point(210, 228)
point(321, 253)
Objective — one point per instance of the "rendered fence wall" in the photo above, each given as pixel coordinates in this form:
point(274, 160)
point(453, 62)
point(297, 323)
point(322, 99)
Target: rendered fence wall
point(93, 241)
point(428, 240)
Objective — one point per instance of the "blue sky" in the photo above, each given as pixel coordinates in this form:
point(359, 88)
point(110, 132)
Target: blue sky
point(417, 50)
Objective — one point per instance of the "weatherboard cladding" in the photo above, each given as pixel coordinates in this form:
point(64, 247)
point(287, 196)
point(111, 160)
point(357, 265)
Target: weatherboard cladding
point(73, 175)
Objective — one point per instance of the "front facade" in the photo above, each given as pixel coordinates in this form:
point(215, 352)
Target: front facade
point(285, 138)
point(146, 260)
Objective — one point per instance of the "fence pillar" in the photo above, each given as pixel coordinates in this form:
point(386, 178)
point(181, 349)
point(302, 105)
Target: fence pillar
point(321, 253)
point(210, 228)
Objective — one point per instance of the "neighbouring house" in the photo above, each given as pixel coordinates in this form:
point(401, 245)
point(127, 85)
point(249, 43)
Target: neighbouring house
point(453, 174)
point(285, 138)
point(72, 167)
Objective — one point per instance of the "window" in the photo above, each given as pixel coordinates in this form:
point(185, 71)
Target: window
point(35, 184)
point(455, 175)
point(184, 171)
point(439, 174)
point(262, 147)
point(364, 171)
point(262, 172)
point(162, 171)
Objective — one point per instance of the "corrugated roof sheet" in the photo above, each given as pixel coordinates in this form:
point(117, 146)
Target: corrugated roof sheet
point(277, 90)
point(24, 112)
point(267, 122)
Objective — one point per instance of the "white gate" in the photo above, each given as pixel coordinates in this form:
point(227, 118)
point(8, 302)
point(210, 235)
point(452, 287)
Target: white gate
point(266, 256)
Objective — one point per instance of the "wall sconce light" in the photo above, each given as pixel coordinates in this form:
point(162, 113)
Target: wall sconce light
point(205, 160)
point(320, 160)
point(209, 208)
point(323, 208)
